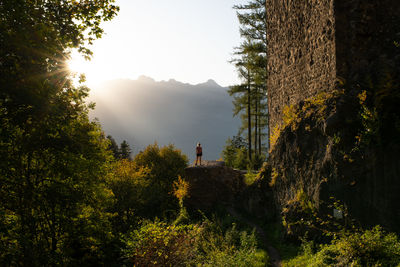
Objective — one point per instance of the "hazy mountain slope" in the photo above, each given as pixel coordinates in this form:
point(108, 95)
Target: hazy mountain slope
point(144, 111)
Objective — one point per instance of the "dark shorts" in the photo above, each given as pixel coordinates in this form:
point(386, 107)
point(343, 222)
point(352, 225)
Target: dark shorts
point(199, 155)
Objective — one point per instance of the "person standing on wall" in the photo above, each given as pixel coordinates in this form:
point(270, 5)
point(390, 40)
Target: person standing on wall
point(199, 153)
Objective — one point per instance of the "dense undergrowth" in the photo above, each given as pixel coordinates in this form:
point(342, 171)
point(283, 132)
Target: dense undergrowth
point(329, 155)
point(367, 248)
point(205, 244)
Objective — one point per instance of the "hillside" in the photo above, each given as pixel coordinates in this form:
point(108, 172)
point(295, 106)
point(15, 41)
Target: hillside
point(143, 111)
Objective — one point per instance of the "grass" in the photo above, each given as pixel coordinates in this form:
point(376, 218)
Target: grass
point(286, 250)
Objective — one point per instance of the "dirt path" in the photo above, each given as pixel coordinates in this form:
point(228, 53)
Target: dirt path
point(275, 258)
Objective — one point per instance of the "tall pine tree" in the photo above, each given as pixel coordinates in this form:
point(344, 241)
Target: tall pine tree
point(250, 97)
point(125, 150)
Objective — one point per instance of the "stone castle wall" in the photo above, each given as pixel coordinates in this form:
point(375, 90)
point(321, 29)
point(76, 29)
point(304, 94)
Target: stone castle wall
point(312, 42)
point(365, 31)
point(301, 52)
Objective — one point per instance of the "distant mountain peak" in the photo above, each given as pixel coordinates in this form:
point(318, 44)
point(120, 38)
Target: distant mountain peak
point(147, 79)
point(212, 82)
point(144, 78)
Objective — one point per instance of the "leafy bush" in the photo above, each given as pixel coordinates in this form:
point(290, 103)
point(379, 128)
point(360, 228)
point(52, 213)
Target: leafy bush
point(129, 184)
point(241, 161)
point(370, 248)
point(232, 248)
point(235, 153)
point(159, 244)
point(250, 177)
point(165, 165)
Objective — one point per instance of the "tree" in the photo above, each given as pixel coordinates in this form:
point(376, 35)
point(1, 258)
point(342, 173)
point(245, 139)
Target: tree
point(125, 150)
point(130, 185)
point(113, 147)
point(250, 96)
point(52, 158)
point(253, 20)
point(235, 151)
point(250, 61)
point(166, 164)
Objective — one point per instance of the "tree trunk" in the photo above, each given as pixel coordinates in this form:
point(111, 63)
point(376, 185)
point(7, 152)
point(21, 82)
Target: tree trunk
point(259, 137)
point(249, 112)
point(256, 132)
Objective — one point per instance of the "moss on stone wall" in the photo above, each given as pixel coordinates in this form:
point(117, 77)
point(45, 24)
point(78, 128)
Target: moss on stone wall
point(317, 158)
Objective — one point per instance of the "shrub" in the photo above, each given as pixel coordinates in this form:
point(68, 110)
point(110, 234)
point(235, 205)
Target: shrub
point(159, 244)
point(165, 164)
point(129, 184)
point(234, 248)
point(241, 161)
point(370, 248)
point(235, 153)
point(250, 177)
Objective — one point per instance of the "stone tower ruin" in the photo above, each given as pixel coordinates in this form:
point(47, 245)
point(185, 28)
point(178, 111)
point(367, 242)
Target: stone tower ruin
point(313, 42)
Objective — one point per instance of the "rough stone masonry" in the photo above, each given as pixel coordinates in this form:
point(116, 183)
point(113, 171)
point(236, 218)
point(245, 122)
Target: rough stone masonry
point(311, 43)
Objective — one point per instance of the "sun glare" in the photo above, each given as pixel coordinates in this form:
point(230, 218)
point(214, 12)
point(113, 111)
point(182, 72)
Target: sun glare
point(100, 69)
point(77, 64)
point(93, 72)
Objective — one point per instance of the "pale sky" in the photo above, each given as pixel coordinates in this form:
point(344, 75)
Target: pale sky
point(186, 40)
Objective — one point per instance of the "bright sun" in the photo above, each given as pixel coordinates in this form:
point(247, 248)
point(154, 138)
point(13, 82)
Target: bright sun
point(101, 68)
point(94, 72)
point(77, 64)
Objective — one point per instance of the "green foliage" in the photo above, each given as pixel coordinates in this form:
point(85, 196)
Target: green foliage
point(274, 177)
point(52, 158)
point(256, 162)
point(119, 152)
point(370, 123)
point(181, 190)
point(302, 220)
point(369, 248)
point(159, 244)
point(250, 61)
point(293, 115)
point(125, 150)
point(241, 160)
point(250, 177)
point(290, 116)
point(235, 153)
point(232, 248)
point(113, 146)
point(129, 185)
point(275, 234)
point(274, 135)
point(51, 185)
point(253, 21)
point(165, 165)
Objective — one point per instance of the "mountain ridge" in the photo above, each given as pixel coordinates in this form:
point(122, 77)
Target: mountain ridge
point(145, 111)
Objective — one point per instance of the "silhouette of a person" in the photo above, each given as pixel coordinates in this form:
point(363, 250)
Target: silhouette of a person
point(199, 153)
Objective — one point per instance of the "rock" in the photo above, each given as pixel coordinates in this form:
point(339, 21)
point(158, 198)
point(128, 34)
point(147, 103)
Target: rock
point(317, 162)
point(211, 184)
point(207, 163)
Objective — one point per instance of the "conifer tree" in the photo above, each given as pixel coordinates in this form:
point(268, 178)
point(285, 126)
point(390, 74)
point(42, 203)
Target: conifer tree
point(113, 146)
point(250, 97)
point(125, 150)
